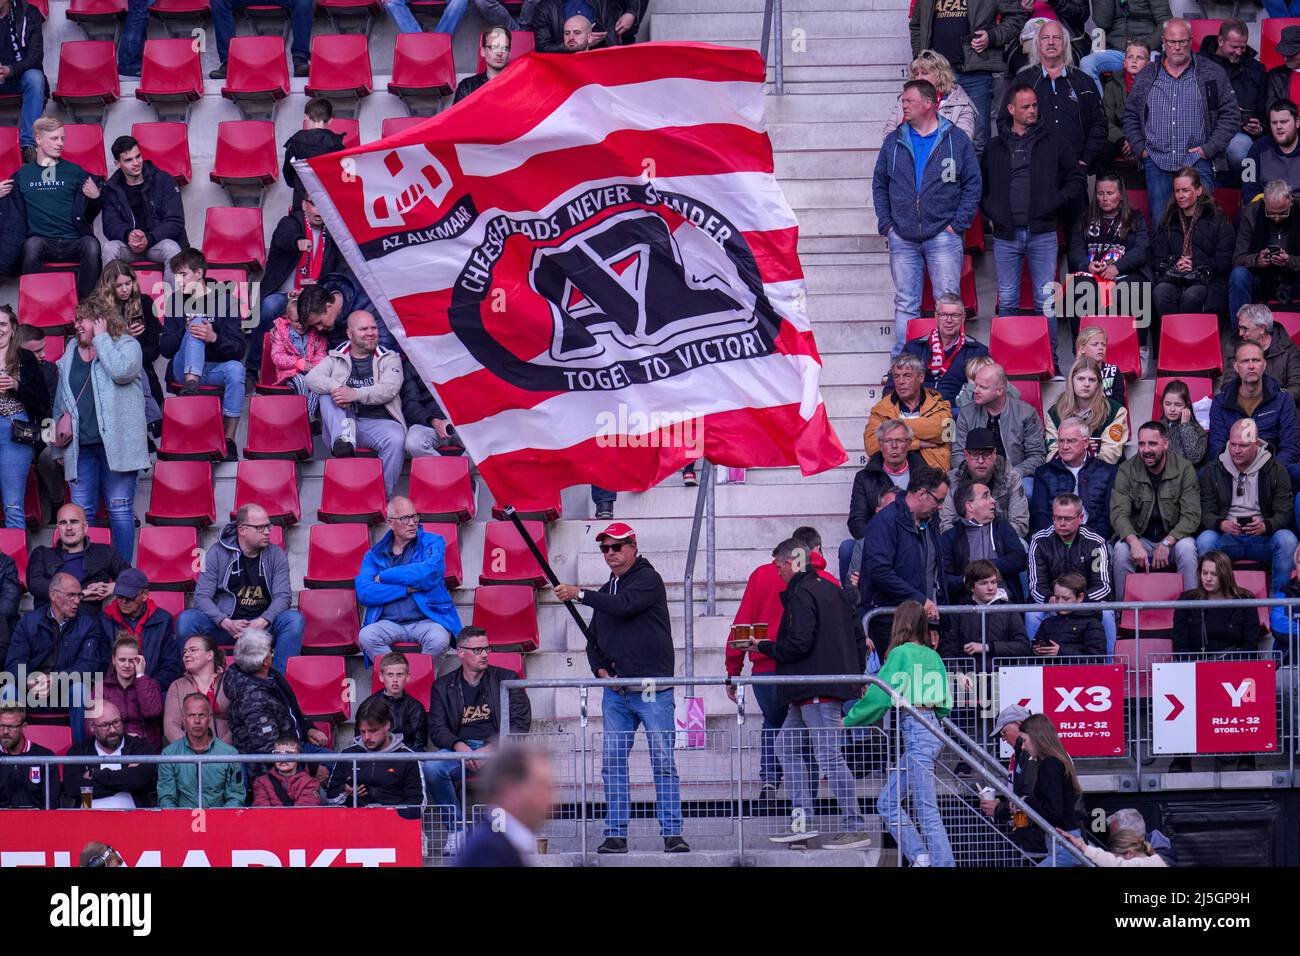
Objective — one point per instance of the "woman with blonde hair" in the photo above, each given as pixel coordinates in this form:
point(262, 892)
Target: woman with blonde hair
point(954, 105)
point(118, 291)
point(1084, 399)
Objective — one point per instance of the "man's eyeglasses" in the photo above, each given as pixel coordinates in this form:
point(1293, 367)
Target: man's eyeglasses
point(607, 548)
point(484, 650)
point(404, 519)
point(259, 528)
point(497, 48)
point(73, 595)
point(108, 724)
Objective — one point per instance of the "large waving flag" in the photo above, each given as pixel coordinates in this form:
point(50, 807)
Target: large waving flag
point(591, 263)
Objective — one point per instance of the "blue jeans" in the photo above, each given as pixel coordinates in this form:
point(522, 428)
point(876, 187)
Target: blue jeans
point(1277, 551)
point(32, 86)
point(229, 375)
point(130, 48)
point(623, 714)
point(1061, 856)
point(1160, 184)
point(1042, 253)
point(287, 630)
point(271, 308)
point(442, 778)
point(1282, 8)
point(822, 725)
point(915, 774)
point(1237, 149)
point(1246, 285)
point(96, 479)
point(979, 87)
point(492, 10)
point(769, 768)
point(909, 261)
point(1034, 620)
point(599, 496)
point(15, 464)
point(1107, 61)
point(405, 20)
point(300, 13)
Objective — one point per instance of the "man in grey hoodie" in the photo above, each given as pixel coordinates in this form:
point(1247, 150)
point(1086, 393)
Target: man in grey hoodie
point(245, 585)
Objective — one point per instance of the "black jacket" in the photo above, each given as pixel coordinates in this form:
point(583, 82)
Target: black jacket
point(1011, 557)
point(410, 719)
point(229, 346)
point(306, 144)
point(155, 629)
point(1053, 798)
point(1277, 86)
point(13, 233)
point(261, 709)
point(1084, 126)
point(1056, 180)
point(23, 787)
point(548, 23)
point(819, 634)
point(1199, 629)
point(1135, 243)
point(387, 784)
point(283, 257)
point(162, 198)
point(471, 84)
point(447, 704)
point(1213, 242)
point(103, 564)
point(893, 562)
point(869, 484)
point(1005, 636)
point(11, 593)
point(1078, 633)
point(1247, 77)
point(27, 22)
point(631, 631)
point(1050, 557)
point(138, 781)
point(486, 847)
point(38, 644)
point(1276, 504)
point(31, 389)
point(418, 403)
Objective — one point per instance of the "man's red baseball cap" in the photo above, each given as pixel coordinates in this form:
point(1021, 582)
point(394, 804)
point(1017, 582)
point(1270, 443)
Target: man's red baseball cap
point(618, 531)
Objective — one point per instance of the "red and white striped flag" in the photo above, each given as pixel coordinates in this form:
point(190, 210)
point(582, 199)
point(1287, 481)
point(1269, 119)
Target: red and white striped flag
point(592, 264)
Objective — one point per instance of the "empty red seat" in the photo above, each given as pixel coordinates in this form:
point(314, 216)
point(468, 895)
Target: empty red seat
point(1150, 586)
point(1140, 655)
point(1139, 201)
point(1121, 341)
point(441, 489)
point(185, 10)
point(512, 661)
point(231, 288)
point(278, 427)
point(48, 300)
point(1270, 32)
point(171, 72)
point(521, 44)
point(1189, 342)
point(267, 372)
point(1291, 322)
point(182, 491)
point(1228, 200)
point(56, 738)
point(331, 621)
point(233, 237)
point(509, 616)
point(151, 284)
point(87, 74)
point(99, 535)
point(271, 484)
point(973, 240)
point(422, 65)
point(919, 327)
point(1256, 582)
point(1031, 391)
point(1202, 29)
point(83, 144)
point(1021, 345)
point(420, 683)
point(334, 554)
point(192, 429)
point(969, 297)
point(506, 557)
point(321, 686)
point(97, 11)
point(11, 156)
point(546, 508)
point(451, 572)
point(167, 146)
point(245, 153)
point(173, 602)
point(340, 66)
point(353, 490)
point(390, 126)
point(13, 542)
point(170, 557)
point(256, 70)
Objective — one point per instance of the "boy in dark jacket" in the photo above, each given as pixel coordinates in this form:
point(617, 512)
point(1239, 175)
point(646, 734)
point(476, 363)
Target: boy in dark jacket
point(314, 139)
point(410, 719)
point(985, 636)
point(62, 201)
point(1070, 633)
point(377, 783)
point(204, 341)
point(144, 217)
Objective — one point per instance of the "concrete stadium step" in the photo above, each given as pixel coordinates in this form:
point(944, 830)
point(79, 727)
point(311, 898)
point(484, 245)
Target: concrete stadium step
point(717, 858)
point(801, 193)
point(866, 272)
point(816, 26)
point(840, 163)
point(844, 53)
point(889, 73)
point(809, 245)
point(837, 222)
point(857, 313)
point(802, 137)
point(828, 107)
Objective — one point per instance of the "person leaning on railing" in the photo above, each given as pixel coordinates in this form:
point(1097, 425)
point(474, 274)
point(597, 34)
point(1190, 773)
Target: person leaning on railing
point(1057, 796)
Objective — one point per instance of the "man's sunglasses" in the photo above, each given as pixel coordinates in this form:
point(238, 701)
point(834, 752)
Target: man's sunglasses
point(607, 548)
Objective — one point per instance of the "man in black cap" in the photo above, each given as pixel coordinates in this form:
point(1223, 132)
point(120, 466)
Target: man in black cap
point(981, 462)
point(132, 611)
point(1022, 770)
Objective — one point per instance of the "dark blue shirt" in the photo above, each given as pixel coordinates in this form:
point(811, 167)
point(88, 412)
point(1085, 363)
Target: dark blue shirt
point(575, 8)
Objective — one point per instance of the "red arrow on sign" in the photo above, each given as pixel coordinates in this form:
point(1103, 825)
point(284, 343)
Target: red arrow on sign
point(1024, 701)
point(1177, 706)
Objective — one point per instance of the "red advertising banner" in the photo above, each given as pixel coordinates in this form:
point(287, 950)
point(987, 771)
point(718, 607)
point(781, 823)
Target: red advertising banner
point(1214, 707)
point(1084, 701)
point(325, 836)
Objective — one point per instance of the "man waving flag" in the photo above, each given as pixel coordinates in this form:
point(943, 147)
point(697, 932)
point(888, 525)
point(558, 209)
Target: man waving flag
point(592, 265)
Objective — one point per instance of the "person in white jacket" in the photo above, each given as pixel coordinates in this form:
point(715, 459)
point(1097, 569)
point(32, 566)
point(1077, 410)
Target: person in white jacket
point(954, 103)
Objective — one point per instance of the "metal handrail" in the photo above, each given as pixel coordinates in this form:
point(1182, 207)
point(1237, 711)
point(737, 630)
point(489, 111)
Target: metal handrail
point(773, 17)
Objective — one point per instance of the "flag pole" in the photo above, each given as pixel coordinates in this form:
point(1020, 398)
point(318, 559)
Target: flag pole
point(545, 565)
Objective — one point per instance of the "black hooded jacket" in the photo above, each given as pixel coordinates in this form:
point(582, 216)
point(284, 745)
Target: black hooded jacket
point(631, 630)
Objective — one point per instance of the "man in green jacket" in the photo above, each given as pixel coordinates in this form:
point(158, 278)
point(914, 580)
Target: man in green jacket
point(178, 783)
point(974, 35)
point(1155, 511)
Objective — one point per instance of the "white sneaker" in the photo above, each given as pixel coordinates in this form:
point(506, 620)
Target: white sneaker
point(922, 859)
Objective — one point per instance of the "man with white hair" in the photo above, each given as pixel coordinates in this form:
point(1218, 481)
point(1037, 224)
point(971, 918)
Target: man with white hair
point(1281, 357)
point(263, 705)
point(1068, 101)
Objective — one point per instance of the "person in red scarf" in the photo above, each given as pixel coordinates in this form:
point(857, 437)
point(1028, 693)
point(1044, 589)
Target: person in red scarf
point(945, 351)
point(132, 611)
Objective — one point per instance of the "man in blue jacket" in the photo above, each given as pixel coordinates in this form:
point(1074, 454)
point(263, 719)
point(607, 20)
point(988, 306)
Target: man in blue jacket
point(402, 589)
point(1253, 394)
point(925, 191)
point(144, 217)
point(1074, 471)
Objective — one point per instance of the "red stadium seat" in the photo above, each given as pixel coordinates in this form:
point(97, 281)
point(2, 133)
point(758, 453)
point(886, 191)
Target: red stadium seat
point(1150, 586)
point(509, 616)
point(1291, 322)
point(451, 572)
point(919, 327)
point(278, 428)
point(1270, 31)
point(11, 156)
point(420, 684)
point(547, 509)
point(180, 11)
point(1256, 582)
point(48, 300)
point(152, 285)
point(349, 129)
point(99, 18)
point(422, 65)
point(182, 492)
point(233, 237)
point(973, 240)
point(969, 297)
point(1031, 391)
point(97, 535)
point(353, 490)
point(267, 372)
point(512, 661)
point(1021, 345)
point(1189, 342)
point(1140, 655)
point(87, 77)
point(334, 554)
point(256, 71)
point(321, 686)
point(171, 77)
point(170, 558)
point(441, 489)
point(340, 66)
point(1202, 29)
point(246, 154)
point(1139, 201)
point(192, 429)
point(521, 44)
point(1229, 200)
point(173, 602)
point(233, 286)
point(13, 542)
point(389, 127)
point(54, 737)
point(506, 558)
point(1121, 341)
point(167, 146)
point(33, 507)
point(344, 14)
point(331, 620)
point(271, 484)
point(1197, 386)
point(83, 144)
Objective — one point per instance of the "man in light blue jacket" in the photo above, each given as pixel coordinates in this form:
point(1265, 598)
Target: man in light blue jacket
point(402, 590)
